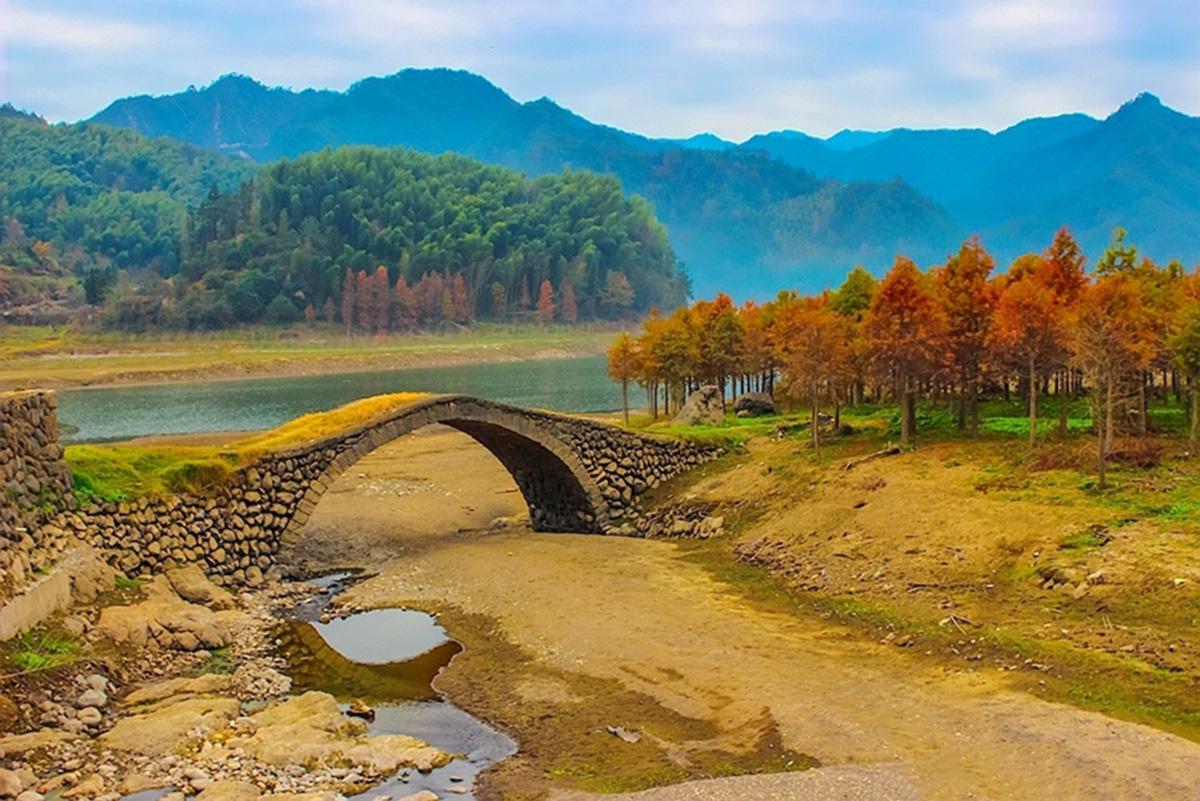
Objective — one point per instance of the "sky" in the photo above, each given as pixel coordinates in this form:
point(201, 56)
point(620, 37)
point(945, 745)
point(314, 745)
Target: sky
point(656, 67)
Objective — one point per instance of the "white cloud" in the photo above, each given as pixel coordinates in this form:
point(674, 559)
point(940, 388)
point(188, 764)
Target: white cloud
point(55, 31)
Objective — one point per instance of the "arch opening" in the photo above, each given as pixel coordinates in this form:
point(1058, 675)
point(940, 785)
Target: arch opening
point(558, 492)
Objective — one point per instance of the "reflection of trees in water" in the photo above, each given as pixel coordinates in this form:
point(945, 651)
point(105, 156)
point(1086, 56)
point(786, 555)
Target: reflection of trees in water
point(314, 665)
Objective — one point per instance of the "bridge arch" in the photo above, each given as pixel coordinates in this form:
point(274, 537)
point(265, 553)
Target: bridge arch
point(545, 463)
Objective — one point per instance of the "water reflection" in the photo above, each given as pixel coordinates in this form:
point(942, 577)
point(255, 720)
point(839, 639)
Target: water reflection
point(110, 413)
point(363, 656)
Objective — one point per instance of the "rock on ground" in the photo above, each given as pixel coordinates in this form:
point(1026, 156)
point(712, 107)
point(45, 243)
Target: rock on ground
point(702, 406)
point(160, 729)
point(192, 585)
point(209, 684)
point(311, 729)
point(754, 404)
point(165, 619)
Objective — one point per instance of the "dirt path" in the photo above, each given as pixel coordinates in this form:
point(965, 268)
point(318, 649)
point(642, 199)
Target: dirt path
point(643, 616)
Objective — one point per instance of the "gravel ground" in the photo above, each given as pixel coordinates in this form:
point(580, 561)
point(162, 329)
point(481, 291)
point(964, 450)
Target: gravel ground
point(835, 783)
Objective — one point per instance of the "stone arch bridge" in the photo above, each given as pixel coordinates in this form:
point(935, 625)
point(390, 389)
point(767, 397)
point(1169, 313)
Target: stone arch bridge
point(576, 475)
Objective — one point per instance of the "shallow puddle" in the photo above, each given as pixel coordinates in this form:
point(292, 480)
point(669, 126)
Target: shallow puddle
point(389, 658)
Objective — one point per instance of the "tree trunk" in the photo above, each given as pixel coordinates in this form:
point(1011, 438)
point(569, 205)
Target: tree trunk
point(1195, 417)
point(974, 390)
point(962, 409)
point(1103, 483)
point(1033, 393)
point(906, 433)
point(1109, 416)
point(815, 424)
point(1063, 395)
point(1143, 407)
point(625, 400)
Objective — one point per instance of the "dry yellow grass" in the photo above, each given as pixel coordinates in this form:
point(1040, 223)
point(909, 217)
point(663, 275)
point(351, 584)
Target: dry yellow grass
point(321, 425)
point(124, 472)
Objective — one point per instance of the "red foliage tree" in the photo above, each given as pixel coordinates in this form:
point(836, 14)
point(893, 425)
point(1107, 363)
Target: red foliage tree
point(1027, 334)
point(545, 303)
point(966, 300)
point(903, 329)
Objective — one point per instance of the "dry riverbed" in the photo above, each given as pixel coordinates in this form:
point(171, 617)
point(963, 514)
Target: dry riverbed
point(636, 667)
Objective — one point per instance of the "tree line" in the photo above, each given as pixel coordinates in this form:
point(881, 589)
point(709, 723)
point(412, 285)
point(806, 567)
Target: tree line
point(1116, 335)
point(161, 235)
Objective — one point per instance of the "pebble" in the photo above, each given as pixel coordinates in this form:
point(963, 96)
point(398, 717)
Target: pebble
point(96, 698)
point(89, 716)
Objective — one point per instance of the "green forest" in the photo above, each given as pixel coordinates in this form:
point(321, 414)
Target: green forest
point(142, 234)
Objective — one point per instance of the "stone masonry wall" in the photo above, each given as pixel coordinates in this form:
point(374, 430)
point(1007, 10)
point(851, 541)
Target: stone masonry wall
point(576, 475)
point(36, 485)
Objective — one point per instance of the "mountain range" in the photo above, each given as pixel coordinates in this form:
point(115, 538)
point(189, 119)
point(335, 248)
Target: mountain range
point(780, 209)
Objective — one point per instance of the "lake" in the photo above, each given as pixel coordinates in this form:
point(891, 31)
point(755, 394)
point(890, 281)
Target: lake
point(122, 412)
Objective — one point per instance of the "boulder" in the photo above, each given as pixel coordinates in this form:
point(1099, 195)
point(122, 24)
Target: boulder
point(192, 585)
point(161, 729)
point(754, 404)
point(208, 684)
point(33, 741)
point(702, 406)
point(166, 619)
point(10, 784)
point(228, 790)
point(310, 729)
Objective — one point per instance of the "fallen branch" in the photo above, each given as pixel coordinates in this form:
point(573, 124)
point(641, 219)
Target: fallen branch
point(890, 450)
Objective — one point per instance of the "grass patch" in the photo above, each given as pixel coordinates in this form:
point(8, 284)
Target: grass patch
point(218, 661)
point(42, 649)
point(125, 472)
point(1083, 540)
point(127, 584)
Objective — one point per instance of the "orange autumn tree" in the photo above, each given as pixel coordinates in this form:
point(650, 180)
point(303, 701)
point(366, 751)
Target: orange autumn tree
point(966, 298)
point(1111, 337)
point(1061, 268)
point(624, 366)
point(814, 349)
point(902, 332)
point(545, 303)
point(1027, 334)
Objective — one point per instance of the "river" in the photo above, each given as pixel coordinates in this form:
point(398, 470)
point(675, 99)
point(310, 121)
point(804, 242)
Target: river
point(122, 412)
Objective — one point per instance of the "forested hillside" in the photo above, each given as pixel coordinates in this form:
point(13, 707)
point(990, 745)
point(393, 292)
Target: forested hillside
point(163, 235)
point(457, 240)
point(729, 213)
point(80, 202)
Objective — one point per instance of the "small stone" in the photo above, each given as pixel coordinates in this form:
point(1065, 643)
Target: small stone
point(96, 698)
point(30, 795)
point(98, 683)
point(89, 716)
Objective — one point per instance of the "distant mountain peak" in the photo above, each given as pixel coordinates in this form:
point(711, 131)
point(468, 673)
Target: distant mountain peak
point(1146, 104)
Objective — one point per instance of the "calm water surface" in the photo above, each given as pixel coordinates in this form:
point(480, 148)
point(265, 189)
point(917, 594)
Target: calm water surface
point(389, 658)
point(109, 413)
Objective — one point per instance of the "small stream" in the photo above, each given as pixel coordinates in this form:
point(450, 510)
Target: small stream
point(389, 658)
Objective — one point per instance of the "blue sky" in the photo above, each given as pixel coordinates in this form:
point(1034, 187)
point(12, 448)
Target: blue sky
point(661, 68)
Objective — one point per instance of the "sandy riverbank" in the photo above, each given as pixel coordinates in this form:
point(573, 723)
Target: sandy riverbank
point(64, 360)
